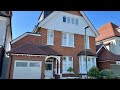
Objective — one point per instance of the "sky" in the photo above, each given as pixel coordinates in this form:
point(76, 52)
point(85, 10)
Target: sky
point(25, 21)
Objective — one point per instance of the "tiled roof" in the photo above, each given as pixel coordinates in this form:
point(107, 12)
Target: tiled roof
point(105, 55)
point(88, 53)
point(29, 48)
point(106, 31)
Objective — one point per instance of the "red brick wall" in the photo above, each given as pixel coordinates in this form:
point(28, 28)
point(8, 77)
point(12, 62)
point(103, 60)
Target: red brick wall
point(29, 38)
point(103, 65)
point(67, 51)
point(31, 58)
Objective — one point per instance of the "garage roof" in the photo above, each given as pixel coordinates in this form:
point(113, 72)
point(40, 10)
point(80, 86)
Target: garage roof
point(29, 48)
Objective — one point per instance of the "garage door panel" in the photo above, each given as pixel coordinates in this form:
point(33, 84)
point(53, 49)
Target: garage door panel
point(27, 69)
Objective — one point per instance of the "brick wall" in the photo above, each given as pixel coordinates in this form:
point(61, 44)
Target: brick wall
point(103, 65)
point(67, 51)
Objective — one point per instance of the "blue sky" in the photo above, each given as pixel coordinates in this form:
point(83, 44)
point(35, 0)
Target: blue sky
point(24, 21)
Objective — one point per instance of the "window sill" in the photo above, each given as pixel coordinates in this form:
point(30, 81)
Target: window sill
point(68, 73)
point(68, 46)
point(50, 44)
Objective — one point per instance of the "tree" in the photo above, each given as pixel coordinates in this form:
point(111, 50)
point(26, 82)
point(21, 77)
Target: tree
point(94, 73)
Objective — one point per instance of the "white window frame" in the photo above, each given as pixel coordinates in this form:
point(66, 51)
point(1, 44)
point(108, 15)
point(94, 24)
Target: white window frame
point(67, 59)
point(87, 42)
point(81, 63)
point(48, 42)
point(67, 39)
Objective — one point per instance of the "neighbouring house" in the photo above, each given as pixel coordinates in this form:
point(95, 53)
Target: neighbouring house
point(110, 37)
point(5, 38)
point(55, 45)
point(105, 58)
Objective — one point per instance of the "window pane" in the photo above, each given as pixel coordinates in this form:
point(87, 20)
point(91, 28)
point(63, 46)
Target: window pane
point(21, 64)
point(88, 64)
point(50, 37)
point(68, 19)
point(71, 39)
point(87, 42)
point(64, 39)
point(48, 66)
point(64, 19)
point(84, 65)
point(72, 20)
point(76, 21)
point(64, 65)
point(93, 62)
point(70, 64)
point(34, 64)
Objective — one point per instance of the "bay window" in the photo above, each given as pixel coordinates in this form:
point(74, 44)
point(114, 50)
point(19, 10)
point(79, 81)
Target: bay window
point(67, 63)
point(91, 62)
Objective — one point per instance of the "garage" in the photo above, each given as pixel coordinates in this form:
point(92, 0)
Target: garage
point(27, 69)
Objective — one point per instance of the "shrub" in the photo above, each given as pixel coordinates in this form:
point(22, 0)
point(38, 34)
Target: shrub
point(70, 69)
point(94, 73)
point(107, 73)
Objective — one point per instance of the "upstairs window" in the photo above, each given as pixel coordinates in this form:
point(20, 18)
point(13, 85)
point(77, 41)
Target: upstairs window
point(64, 18)
point(68, 19)
point(72, 20)
point(76, 21)
point(87, 43)
point(50, 37)
point(67, 39)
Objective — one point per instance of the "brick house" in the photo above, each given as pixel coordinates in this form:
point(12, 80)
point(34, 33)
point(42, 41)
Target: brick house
point(5, 38)
point(108, 46)
point(55, 45)
point(105, 58)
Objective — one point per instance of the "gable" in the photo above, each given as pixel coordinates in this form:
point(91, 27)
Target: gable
point(55, 22)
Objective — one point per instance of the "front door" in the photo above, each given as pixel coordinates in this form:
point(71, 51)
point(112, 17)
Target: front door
point(49, 69)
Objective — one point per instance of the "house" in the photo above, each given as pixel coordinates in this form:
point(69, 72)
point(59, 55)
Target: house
point(5, 38)
point(55, 45)
point(105, 58)
point(110, 37)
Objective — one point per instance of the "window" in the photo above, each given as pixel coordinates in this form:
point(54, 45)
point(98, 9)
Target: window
point(64, 39)
point(118, 62)
point(91, 61)
point(68, 19)
point(64, 19)
point(48, 66)
point(50, 37)
point(76, 21)
point(34, 64)
point(87, 44)
point(21, 64)
point(72, 20)
point(68, 39)
point(67, 62)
